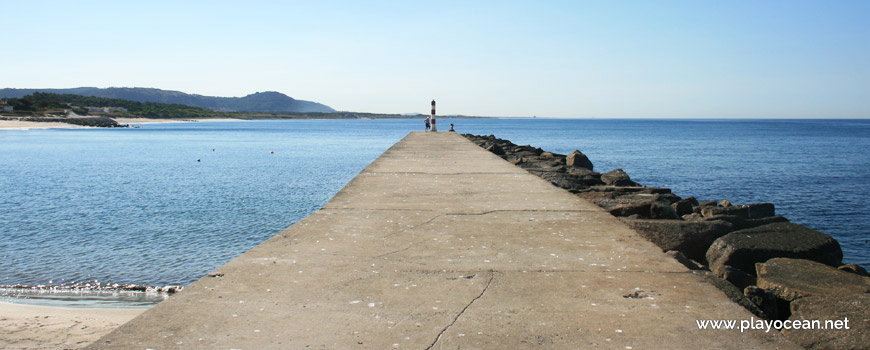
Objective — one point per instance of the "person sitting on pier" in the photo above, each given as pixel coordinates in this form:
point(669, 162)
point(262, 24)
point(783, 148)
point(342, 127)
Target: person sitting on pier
point(451, 128)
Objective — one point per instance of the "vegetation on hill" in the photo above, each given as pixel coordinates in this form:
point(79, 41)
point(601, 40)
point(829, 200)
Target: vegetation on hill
point(261, 102)
point(40, 101)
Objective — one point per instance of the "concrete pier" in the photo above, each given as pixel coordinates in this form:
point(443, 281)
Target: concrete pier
point(439, 244)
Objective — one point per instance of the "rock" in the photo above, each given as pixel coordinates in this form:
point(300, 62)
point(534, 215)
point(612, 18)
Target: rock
point(494, 148)
point(690, 238)
point(548, 155)
point(742, 249)
point(618, 199)
point(692, 201)
point(579, 160)
point(693, 217)
point(742, 224)
point(582, 172)
point(585, 176)
point(825, 308)
point(708, 203)
point(682, 259)
point(747, 211)
point(617, 177)
point(513, 159)
point(765, 300)
point(759, 210)
point(854, 268)
point(525, 154)
point(662, 210)
point(639, 209)
point(559, 179)
point(725, 203)
point(684, 206)
point(735, 294)
point(597, 196)
point(631, 204)
point(630, 189)
point(738, 278)
point(532, 164)
point(791, 279)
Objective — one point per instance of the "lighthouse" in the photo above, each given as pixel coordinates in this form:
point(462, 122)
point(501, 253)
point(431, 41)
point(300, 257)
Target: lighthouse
point(433, 116)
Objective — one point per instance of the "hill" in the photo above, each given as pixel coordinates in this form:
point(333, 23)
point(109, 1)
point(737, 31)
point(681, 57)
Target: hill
point(260, 102)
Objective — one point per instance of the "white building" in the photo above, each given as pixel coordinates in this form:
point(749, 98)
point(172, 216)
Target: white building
point(5, 107)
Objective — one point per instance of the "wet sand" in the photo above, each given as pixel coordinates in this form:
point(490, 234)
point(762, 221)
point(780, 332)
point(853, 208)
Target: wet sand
point(43, 327)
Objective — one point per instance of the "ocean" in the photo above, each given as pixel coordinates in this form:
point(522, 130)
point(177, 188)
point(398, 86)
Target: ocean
point(165, 204)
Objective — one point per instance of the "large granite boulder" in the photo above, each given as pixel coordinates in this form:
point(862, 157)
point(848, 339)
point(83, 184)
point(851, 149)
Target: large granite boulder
point(855, 308)
point(742, 249)
point(585, 176)
point(791, 279)
point(745, 211)
point(533, 164)
point(854, 268)
point(692, 238)
point(620, 199)
point(735, 294)
point(662, 210)
point(682, 259)
point(737, 277)
point(559, 179)
point(617, 177)
point(639, 204)
point(742, 224)
point(764, 300)
point(495, 148)
point(685, 206)
point(578, 159)
point(630, 189)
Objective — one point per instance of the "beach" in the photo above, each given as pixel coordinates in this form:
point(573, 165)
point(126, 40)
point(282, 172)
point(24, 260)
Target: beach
point(23, 125)
point(43, 327)
point(26, 125)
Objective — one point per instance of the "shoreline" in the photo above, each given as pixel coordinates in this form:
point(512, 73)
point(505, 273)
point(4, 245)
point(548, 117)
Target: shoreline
point(28, 125)
point(24, 125)
point(163, 120)
point(48, 327)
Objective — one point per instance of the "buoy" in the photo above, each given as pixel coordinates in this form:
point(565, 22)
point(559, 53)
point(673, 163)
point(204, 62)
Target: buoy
point(197, 159)
point(272, 152)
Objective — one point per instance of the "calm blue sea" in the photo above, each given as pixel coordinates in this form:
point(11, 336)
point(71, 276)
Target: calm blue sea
point(167, 203)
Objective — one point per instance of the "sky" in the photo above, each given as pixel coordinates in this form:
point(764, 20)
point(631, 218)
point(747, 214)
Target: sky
point(562, 59)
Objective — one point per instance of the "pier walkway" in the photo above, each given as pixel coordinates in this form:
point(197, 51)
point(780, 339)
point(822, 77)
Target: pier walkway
point(439, 244)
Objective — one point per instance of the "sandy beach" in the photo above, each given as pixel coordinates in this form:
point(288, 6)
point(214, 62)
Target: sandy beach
point(42, 327)
point(24, 125)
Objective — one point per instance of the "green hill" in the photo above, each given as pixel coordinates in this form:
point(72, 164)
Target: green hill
point(261, 102)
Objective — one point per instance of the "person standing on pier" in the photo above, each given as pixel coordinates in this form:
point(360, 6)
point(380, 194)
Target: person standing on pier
point(427, 123)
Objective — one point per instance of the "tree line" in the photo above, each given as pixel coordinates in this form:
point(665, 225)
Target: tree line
point(39, 101)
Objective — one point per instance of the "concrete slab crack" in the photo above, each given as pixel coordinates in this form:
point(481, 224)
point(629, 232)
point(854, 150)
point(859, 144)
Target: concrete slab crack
point(488, 283)
point(409, 229)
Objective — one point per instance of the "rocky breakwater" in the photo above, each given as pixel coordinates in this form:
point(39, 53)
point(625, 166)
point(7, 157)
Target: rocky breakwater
point(778, 270)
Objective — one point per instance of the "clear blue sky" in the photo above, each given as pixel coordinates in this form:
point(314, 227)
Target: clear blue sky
point(623, 59)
